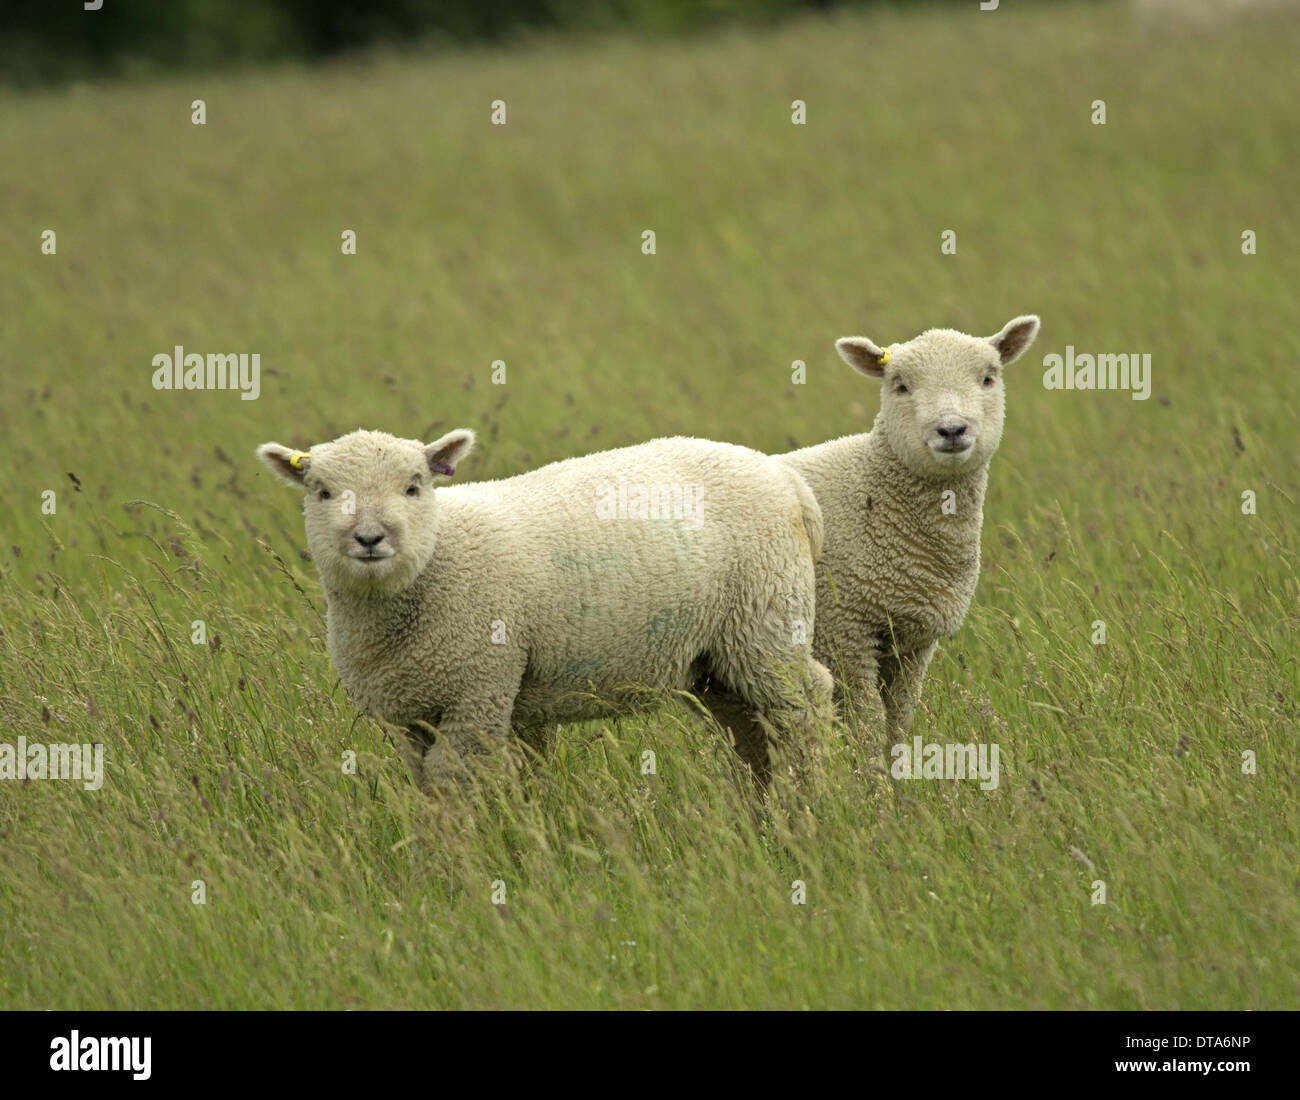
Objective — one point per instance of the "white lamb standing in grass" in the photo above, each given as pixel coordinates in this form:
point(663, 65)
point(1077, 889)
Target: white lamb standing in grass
point(903, 507)
point(544, 598)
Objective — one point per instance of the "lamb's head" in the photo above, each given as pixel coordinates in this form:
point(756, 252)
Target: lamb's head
point(943, 401)
point(370, 504)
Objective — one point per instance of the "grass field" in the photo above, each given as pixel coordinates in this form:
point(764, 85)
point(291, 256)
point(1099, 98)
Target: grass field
point(1120, 762)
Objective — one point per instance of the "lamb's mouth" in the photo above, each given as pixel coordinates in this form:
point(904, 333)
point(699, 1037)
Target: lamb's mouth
point(952, 446)
point(371, 557)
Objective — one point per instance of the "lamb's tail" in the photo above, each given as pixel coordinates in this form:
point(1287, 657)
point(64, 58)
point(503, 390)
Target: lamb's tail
point(812, 513)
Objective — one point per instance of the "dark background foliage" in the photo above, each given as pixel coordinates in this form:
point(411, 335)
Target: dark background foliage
point(44, 41)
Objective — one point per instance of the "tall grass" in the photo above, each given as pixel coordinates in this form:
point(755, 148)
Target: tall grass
point(1121, 763)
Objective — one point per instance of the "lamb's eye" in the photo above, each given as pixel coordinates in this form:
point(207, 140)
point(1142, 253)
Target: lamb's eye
point(988, 380)
point(324, 494)
point(413, 491)
point(900, 388)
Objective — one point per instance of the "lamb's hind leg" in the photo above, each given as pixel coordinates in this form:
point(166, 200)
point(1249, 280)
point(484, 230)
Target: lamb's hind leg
point(777, 692)
point(749, 735)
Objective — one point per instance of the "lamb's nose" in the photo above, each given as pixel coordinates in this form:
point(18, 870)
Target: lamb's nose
point(952, 429)
point(369, 540)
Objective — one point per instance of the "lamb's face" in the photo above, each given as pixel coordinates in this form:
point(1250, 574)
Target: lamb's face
point(943, 402)
point(370, 504)
point(943, 399)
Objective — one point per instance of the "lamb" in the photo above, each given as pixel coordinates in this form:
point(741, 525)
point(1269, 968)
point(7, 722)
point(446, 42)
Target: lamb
point(903, 507)
point(462, 612)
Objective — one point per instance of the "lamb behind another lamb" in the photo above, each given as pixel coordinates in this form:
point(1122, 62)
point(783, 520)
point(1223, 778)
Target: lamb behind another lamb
point(903, 507)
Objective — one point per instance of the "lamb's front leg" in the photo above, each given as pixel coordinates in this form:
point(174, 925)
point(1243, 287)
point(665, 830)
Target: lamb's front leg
point(857, 680)
point(901, 679)
point(475, 721)
point(470, 728)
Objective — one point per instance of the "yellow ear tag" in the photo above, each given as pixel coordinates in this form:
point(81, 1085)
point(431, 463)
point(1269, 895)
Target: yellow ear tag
point(884, 358)
point(295, 459)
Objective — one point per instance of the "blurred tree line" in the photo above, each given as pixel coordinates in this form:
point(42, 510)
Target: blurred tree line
point(51, 40)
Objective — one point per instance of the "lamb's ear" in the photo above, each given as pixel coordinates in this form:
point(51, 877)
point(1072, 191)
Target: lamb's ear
point(288, 465)
point(1015, 337)
point(445, 454)
point(862, 355)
